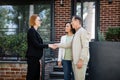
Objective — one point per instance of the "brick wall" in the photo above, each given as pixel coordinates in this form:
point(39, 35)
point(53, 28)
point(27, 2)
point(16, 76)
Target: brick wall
point(48, 69)
point(62, 15)
point(109, 14)
point(109, 17)
point(11, 70)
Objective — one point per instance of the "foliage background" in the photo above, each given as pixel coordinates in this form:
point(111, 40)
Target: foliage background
point(113, 34)
point(14, 24)
point(14, 45)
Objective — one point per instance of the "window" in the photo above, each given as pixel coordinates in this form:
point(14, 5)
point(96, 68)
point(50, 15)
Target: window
point(86, 10)
point(14, 24)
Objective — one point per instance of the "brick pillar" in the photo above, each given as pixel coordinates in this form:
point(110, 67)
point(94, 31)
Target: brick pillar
point(62, 15)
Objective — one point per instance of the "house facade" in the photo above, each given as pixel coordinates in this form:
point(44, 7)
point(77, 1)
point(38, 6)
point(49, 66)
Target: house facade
point(97, 15)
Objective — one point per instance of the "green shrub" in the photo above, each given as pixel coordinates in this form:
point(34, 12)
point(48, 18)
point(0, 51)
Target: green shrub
point(113, 34)
point(14, 44)
point(101, 36)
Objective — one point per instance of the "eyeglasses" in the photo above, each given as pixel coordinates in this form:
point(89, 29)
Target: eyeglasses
point(40, 20)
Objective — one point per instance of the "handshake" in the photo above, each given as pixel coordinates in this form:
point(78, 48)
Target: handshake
point(53, 46)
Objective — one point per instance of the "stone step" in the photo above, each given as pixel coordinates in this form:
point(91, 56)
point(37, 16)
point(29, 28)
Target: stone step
point(56, 75)
point(58, 69)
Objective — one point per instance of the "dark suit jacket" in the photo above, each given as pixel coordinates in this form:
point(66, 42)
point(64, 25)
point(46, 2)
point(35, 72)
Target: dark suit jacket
point(35, 44)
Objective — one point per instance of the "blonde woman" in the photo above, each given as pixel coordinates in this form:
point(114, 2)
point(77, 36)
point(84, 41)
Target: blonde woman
point(35, 48)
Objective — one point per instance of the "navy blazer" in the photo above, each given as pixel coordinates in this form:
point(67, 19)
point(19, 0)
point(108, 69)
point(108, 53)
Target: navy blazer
point(35, 44)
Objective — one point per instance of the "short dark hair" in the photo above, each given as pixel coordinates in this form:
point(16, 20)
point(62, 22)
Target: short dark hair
point(78, 18)
point(72, 29)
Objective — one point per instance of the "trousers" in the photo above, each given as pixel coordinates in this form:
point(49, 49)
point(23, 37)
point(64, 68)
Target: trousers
point(68, 71)
point(33, 68)
point(79, 73)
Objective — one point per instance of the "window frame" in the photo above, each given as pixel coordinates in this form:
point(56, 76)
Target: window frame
point(97, 13)
point(26, 2)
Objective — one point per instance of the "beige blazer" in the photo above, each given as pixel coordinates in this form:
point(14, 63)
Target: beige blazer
point(80, 46)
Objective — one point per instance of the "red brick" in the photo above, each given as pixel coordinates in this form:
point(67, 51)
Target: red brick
point(109, 14)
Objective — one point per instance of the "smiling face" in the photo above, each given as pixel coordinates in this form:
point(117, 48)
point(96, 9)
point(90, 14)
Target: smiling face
point(38, 22)
point(68, 27)
point(74, 23)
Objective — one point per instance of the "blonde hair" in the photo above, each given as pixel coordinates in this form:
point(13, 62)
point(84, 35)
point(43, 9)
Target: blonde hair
point(32, 19)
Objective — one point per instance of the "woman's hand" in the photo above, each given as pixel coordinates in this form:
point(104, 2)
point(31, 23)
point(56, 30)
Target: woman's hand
point(59, 64)
point(52, 46)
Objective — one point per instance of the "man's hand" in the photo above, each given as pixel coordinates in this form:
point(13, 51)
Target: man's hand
point(52, 46)
point(80, 64)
